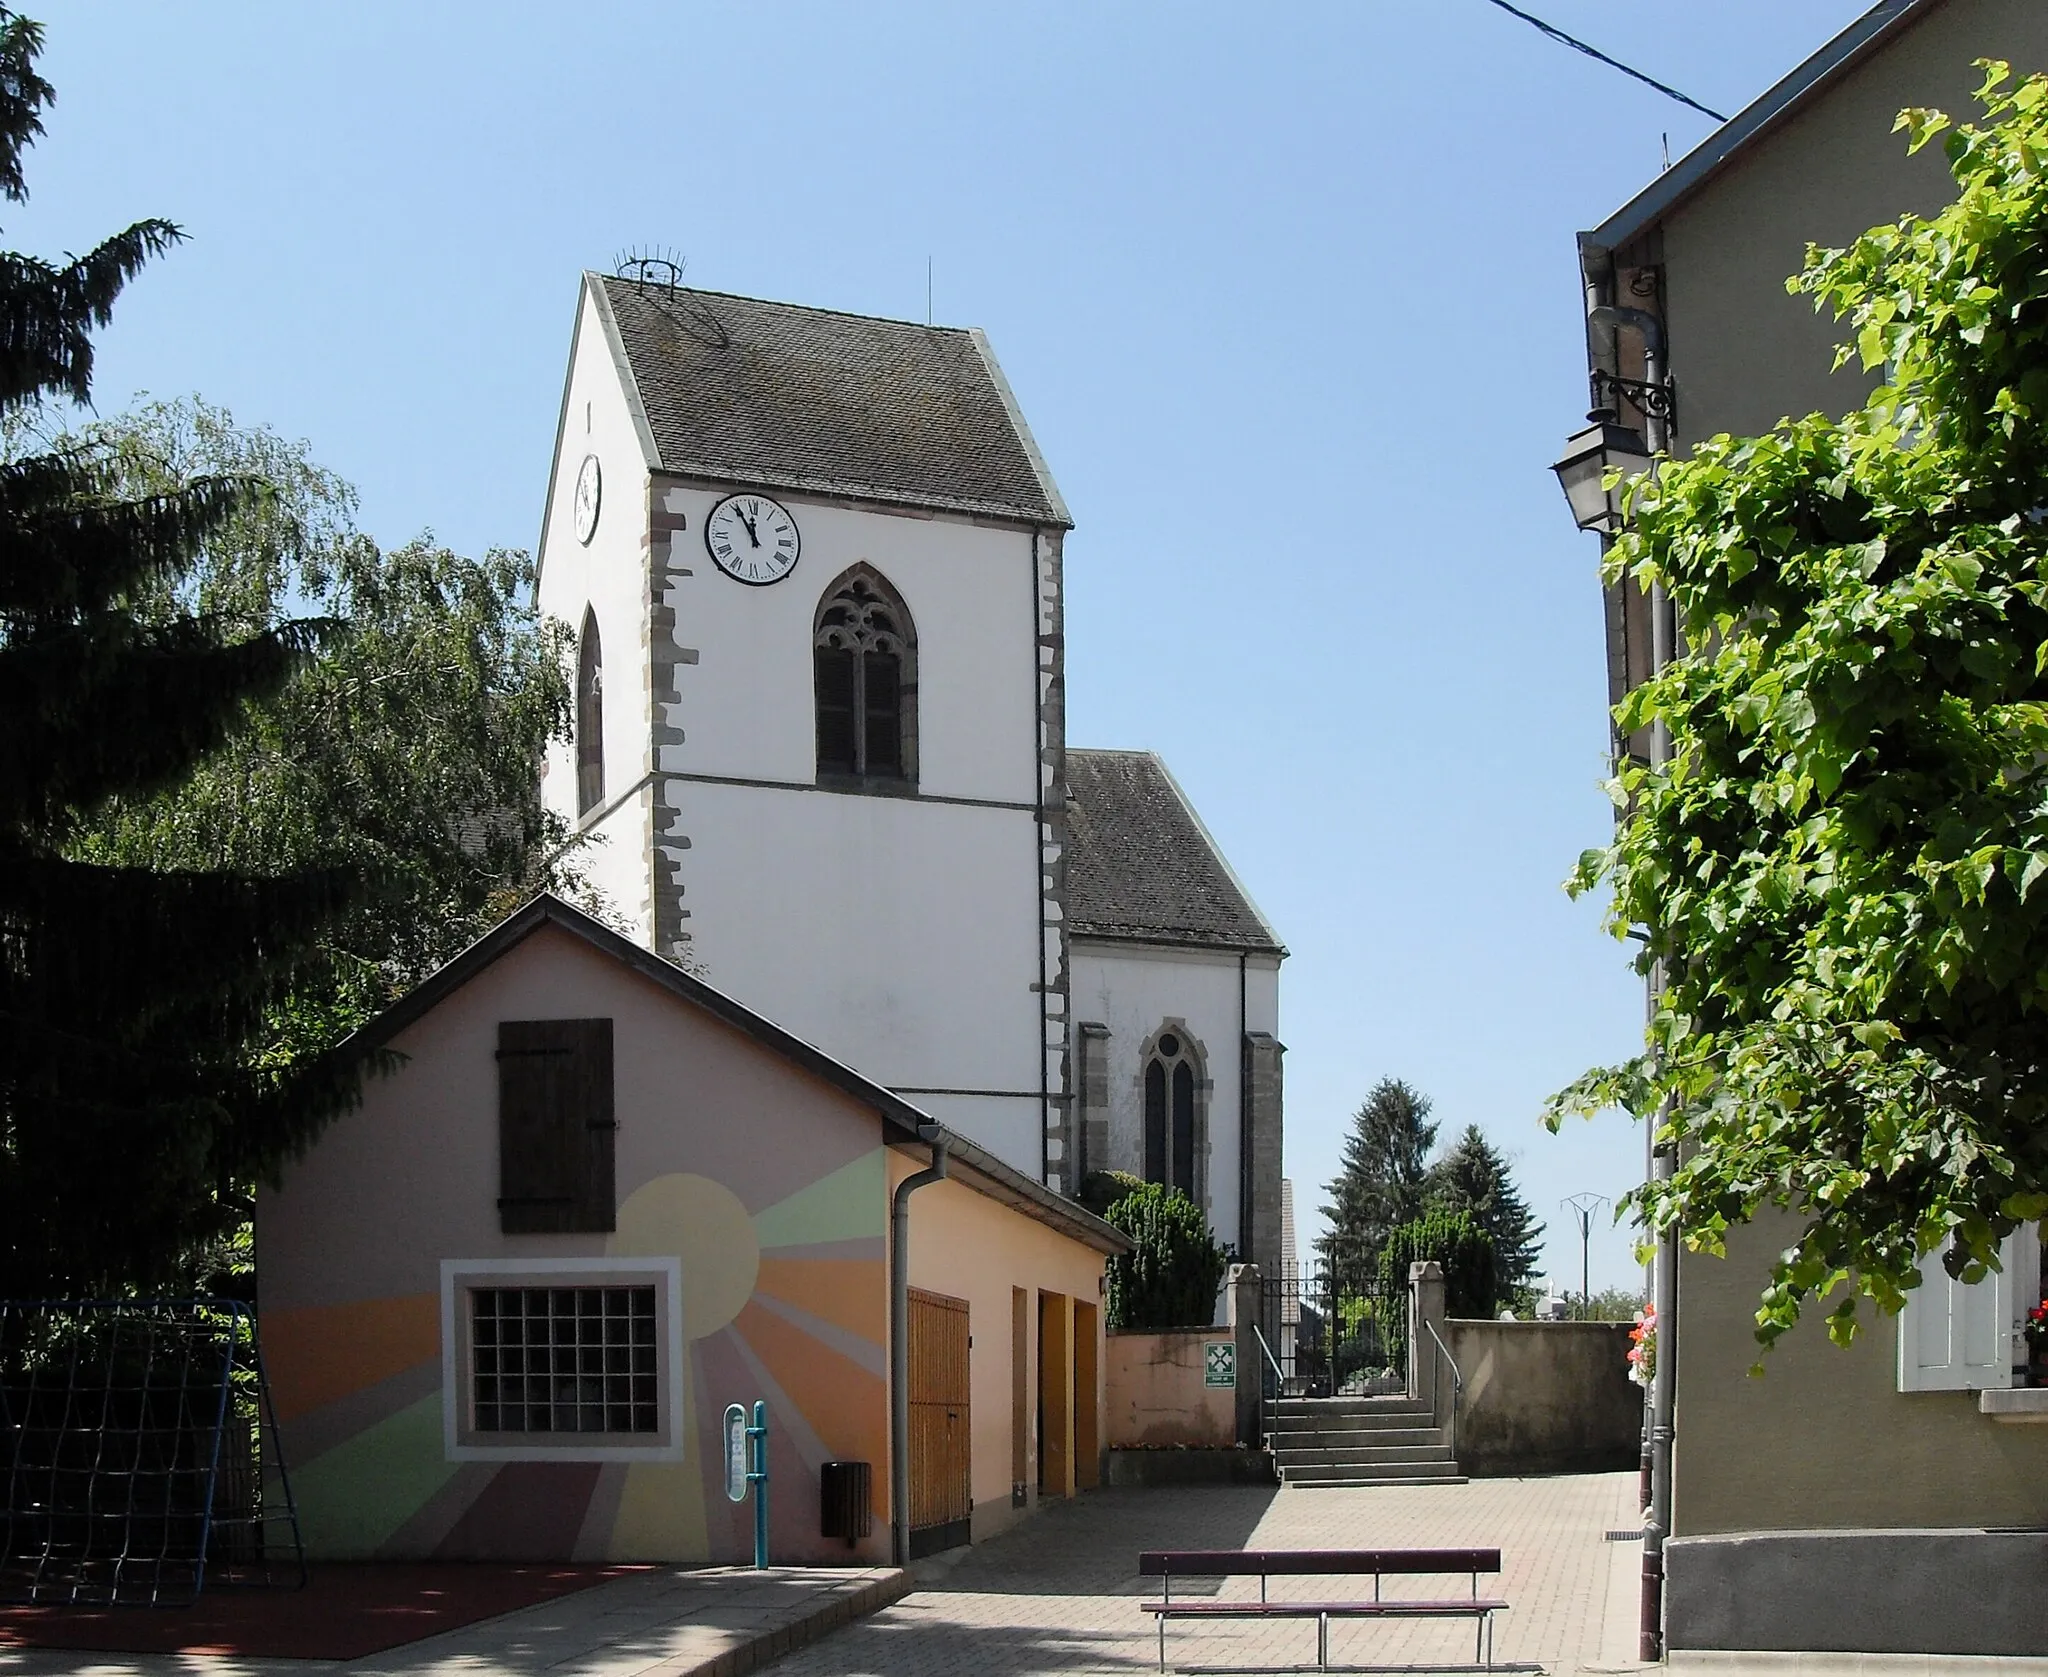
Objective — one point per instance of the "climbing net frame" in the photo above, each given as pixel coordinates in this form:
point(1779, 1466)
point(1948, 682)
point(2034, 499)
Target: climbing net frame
point(139, 1457)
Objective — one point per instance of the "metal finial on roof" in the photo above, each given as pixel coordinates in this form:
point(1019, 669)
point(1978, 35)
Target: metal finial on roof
point(656, 266)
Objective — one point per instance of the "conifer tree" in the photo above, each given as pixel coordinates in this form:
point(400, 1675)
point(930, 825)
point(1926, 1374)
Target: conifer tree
point(1380, 1184)
point(1473, 1177)
point(128, 996)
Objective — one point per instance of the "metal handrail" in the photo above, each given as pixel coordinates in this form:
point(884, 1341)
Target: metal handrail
point(1457, 1380)
point(1279, 1380)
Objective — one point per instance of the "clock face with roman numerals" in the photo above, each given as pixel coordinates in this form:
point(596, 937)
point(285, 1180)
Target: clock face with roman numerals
point(752, 539)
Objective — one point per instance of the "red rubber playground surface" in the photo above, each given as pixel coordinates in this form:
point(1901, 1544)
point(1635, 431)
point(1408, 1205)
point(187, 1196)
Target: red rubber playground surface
point(344, 1611)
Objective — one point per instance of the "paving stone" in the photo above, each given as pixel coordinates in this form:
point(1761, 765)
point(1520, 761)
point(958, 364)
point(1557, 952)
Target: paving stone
point(1060, 1592)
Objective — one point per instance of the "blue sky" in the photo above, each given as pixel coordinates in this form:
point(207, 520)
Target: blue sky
point(1288, 296)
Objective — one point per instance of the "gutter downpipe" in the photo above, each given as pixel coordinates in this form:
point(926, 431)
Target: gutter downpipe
point(899, 1342)
point(1245, 1254)
point(1604, 318)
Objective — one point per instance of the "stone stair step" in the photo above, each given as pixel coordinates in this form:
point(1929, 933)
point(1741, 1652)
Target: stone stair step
point(1376, 1472)
point(1348, 1484)
point(1362, 1437)
point(1436, 1452)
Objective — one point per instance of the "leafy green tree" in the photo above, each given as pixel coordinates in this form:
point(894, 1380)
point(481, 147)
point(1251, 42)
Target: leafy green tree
point(1170, 1279)
point(131, 996)
point(1473, 1177)
point(1379, 1184)
point(1841, 871)
point(407, 746)
point(1454, 1239)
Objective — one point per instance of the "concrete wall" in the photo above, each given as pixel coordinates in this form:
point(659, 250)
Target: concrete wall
point(1866, 1592)
point(1744, 352)
point(1825, 1438)
point(1155, 1395)
point(1134, 990)
point(1545, 1397)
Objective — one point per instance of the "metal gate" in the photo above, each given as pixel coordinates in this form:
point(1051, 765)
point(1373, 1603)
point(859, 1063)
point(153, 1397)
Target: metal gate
point(941, 1465)
point(1335, 1336)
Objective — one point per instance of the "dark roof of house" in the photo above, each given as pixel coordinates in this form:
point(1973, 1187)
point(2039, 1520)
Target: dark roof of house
point(787, 397)
point(1142, 867)
point(1765, 112)
point(901, 1121)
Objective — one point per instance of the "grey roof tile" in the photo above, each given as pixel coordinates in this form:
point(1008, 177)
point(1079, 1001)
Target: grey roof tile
point(783, 396)
point(1141, 866)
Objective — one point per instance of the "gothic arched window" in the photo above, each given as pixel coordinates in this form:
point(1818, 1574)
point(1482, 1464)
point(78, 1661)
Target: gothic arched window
point(1173, 1127)
point(864, 661)
point(589, 718)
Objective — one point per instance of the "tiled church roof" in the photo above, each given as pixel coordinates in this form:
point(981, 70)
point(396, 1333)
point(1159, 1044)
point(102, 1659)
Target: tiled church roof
point(788, 397)
point(1140, 864)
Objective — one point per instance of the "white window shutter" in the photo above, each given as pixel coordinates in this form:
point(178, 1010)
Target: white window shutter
point(1954, 1337)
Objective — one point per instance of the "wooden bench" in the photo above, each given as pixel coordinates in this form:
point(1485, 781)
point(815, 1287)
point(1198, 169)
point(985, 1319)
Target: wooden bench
point(1169, 1564)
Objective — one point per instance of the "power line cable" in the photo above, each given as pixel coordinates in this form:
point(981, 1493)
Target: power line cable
point(1578, 45)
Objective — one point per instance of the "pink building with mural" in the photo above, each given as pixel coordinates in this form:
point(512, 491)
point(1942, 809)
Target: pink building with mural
point(506, 1302)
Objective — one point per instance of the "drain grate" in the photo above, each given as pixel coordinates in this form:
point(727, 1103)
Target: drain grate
point(1632, 1534)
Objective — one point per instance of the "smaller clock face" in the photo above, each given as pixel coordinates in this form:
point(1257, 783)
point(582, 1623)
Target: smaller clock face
point(752, 539)
point(589, 490)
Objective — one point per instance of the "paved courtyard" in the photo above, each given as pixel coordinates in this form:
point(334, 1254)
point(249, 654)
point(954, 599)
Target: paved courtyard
point(1060, 1593)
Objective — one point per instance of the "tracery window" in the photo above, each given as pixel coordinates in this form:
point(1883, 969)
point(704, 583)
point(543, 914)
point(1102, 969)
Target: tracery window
point(1172, 1124)
point(864, 659)
point(589, 718)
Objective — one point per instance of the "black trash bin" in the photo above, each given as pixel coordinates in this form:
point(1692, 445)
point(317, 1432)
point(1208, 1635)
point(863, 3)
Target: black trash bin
point(846, 1500)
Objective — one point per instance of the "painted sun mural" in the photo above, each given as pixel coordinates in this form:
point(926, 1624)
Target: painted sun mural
point(782, 1277)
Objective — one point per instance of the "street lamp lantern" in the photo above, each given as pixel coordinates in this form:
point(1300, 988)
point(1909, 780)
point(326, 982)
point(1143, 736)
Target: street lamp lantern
point(1603, 447)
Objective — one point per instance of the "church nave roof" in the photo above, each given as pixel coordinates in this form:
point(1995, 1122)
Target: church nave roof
point(1142, 867)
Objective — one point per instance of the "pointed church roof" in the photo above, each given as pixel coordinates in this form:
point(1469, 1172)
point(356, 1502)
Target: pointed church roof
point(1141, 866)
point(781, 396)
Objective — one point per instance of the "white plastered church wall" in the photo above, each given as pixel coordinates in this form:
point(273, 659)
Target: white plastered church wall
point(1134, 989)
point(901, 934)
point(608, 577)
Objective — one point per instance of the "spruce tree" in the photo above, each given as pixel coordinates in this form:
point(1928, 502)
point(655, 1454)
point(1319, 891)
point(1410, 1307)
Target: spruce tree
point(1380, 1184)
point(1473, 1177)
point(129, 996)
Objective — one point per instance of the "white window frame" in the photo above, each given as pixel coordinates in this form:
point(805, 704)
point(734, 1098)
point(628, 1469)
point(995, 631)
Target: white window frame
point(1941, 1302)
point(459, 1275)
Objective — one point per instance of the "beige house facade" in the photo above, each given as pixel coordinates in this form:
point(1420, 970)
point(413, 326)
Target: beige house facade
point(1888, 1497)
point(590, 1203)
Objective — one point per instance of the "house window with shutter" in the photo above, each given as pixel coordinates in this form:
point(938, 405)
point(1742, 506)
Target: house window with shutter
point(1969, 1335)
point(556, 1128)
point(589, 718)
point(1176, 1128)
point(864, 666)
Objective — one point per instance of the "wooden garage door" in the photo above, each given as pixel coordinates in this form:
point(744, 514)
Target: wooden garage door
point(941, 1461)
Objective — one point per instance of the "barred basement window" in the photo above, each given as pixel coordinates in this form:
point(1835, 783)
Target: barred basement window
point(563, 1359)
point(864, 661)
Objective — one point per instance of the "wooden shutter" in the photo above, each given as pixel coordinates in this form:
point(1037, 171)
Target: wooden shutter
point(837, 750)
point(1957, 1337)
point(556, 1128)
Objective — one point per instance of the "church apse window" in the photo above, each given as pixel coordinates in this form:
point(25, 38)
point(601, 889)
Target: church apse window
point(589, 718)
point(864, 661)
point(1174, 1127)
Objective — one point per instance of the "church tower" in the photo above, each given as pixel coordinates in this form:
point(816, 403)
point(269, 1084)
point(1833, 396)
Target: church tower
point(812, 561)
